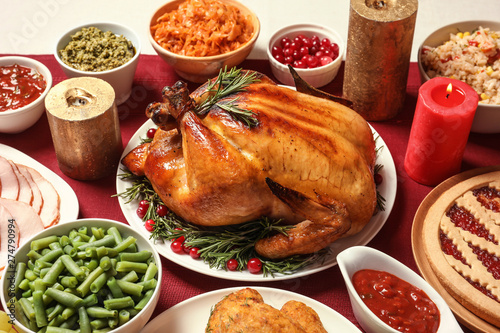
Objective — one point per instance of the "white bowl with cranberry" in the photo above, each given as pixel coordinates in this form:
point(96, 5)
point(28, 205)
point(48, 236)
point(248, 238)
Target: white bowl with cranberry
point(314, 51)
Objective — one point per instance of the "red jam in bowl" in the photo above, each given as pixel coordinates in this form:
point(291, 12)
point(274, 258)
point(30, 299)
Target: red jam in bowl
point(19, 86)
point(396, 302)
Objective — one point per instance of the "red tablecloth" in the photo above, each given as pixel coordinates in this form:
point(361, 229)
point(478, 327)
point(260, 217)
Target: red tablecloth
point(179, 283)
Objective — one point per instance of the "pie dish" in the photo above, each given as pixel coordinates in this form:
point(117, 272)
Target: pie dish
point(460, 239)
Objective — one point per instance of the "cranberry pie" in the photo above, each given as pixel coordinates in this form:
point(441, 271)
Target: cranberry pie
point(461, 235)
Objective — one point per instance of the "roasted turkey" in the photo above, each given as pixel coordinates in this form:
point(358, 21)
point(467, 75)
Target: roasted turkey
point(307, 160)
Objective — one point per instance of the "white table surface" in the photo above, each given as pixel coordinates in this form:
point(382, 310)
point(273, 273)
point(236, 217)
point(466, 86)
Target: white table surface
point(33, 26)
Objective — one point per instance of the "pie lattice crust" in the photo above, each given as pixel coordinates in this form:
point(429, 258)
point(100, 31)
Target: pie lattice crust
point(452, 273)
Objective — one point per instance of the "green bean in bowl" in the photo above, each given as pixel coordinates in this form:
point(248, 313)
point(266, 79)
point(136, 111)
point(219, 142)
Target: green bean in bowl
point(85, 276)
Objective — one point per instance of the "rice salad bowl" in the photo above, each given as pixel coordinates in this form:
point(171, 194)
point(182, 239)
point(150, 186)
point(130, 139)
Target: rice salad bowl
point(469, 56)
point(468, 51)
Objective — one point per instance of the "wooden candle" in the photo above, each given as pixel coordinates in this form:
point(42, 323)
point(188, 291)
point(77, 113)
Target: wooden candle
point(440, 130)
point(378, 54)
point(85, 129)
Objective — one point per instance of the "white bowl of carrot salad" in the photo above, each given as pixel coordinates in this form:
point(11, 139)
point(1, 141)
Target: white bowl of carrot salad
point(199, 38)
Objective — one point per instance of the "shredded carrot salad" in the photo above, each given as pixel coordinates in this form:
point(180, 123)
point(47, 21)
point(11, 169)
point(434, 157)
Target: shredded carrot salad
point(201, 28)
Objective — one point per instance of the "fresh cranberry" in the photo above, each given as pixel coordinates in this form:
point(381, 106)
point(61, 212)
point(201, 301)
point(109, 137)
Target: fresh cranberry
point(276, 51)
point(285, 42)
point(295, 46)
point(254, 266)
point(288, 52)
point(194, 252)
point(299, 64)
point(151, 133)
point(149, 225)
point(141, 211)
point(297, 55)
point(176, 247)
point(306, 42)
point(325, 42)
point(144, 203)
point(162, 210)
point(325, 60)
point(280, 58)
point(304, 50)
point(298, 40)
point(312, 61)
point(288, 60)
point(334, 47)
point(186, 248)
point(232, 264)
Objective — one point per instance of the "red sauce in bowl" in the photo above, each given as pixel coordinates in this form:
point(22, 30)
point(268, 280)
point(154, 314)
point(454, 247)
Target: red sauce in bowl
point(396, 302)
point(19, 86)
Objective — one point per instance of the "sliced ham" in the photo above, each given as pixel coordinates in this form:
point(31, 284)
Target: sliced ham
point(49, 213)
point(25, 192)
point(27, 220)
point(8, 179)
point(37, 201)
point(8, 230)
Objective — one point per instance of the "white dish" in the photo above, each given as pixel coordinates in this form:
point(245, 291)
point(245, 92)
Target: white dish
point(69, 207)
point(487, 117)
point(317, 77)
point(362, 257)
point(120, 78)
point(192, 314)
point(134, 324)
point(19, 120)
point(387, 189)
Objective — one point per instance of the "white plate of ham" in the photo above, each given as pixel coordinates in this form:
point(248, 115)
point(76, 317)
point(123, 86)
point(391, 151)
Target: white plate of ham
point(387, 190)
point(32, 198)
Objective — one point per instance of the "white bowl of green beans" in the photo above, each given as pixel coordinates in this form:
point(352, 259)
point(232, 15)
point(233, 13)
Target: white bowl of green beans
point(88, 275)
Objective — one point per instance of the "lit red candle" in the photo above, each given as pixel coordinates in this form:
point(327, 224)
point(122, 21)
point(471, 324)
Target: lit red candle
point(440, 130)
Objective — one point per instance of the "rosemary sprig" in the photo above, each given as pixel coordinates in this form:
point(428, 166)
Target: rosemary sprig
point(380, 198)
point(141, 188)
point(227, 83)
point(376, 169)
point(217, 244)
point(238, 113)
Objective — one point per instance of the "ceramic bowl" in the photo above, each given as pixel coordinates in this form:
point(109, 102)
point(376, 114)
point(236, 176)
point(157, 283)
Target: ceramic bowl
point(318, 76)
point(356, 258)
point(120, 78)
point(200, 69)
point(487, 118)
point(136, 323)
point(18, 120)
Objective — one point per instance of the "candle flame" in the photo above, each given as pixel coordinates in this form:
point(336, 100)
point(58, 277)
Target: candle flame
point(449, 89)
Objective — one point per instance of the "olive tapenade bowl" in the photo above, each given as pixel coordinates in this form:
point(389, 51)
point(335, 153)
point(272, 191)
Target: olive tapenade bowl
point(136, 321)
point(120, 78)
point(357, 258)
point(20, 119)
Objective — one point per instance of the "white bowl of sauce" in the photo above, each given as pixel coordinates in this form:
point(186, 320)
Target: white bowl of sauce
point(25, 83)
point(379, 286)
